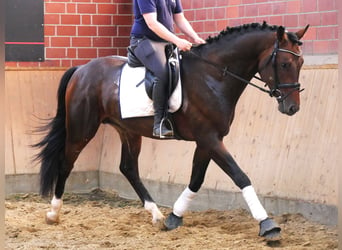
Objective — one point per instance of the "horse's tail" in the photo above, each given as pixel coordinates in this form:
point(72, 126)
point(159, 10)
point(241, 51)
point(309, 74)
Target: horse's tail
point(52, 145)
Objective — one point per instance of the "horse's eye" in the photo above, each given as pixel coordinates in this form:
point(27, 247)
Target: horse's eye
point(285, 65)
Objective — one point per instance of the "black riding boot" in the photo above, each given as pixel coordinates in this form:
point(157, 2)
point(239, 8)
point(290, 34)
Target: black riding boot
point(160, 104)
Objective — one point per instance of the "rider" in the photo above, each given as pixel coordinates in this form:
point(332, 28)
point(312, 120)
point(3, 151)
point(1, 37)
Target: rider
point(153, 21)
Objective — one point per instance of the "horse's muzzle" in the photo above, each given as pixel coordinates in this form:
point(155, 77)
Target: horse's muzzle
point(288, 109)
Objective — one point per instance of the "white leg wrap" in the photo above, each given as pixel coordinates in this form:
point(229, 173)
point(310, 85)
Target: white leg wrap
point(53, 215)
point(154, 210)
point(254, 204)
point(183, 202)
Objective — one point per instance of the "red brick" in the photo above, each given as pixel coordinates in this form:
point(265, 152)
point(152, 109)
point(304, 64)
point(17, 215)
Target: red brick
point(197, 4)
point(329, 18)
point(209, 3)
point(187, 5)
point(279, 8)
point(11, 64)
point(210, 26)
point(66, 30)
point(233, 11)
point(28, 64)
point(124, 30)
point(55, 52)
point(51, 63)
point(51, 19)
point(81, 42)
point(264, 9)
point(325, 5)
point(198, 26)
point(86, 8)
point(124, 9)
point(311, 34)
point(49, 30)
point(107, 9)
point(120, 42)
point(71, 53)
point(105, 1)
point(309, 6)
point(219, 13)
point(201, 14)
point(71, 8)
point(106, 52)
point(86, 19)
point(101, 20)
point(325, 33)
point(291, 20)
point(233, 2)
point(307, 47)
point(79, 62)
point(122, 20)
point(70, 19)
point(293, 7)
point(87, 53)
point(102, 42)
point(320, 47)
point(87, 31)
point(122, 51)
point(66, 63)
point(221, 24)
point(313, 19)
point(251, 10)
point(190, 15)
point(107, 31)
point(54, 8)
point(247, 1)
point(60, 41)
point(276, 20)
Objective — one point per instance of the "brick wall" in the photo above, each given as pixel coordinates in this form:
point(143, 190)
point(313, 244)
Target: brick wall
point(79, 30)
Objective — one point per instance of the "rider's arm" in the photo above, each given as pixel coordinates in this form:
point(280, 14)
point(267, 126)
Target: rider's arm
point(186, 28)
point(164, 33)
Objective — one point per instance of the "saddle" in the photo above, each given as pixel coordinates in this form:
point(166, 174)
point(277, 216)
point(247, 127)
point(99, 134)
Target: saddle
point(172, 56)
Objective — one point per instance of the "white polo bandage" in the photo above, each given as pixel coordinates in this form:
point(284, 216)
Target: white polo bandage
point(254, 204)
point(183, 202)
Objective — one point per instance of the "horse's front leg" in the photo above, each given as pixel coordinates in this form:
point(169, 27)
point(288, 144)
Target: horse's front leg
point(130, 149)
point(268, 228)
point(200, 163)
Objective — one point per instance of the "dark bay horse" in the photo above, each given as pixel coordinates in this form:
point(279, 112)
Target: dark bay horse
point(213, 75)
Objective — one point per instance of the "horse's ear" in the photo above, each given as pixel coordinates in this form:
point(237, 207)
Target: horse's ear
point(301, 32)
point(281, 33)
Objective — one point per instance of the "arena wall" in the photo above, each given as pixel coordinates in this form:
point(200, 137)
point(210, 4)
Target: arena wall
point(291, 160)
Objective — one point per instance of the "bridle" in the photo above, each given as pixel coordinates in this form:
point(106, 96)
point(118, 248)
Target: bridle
point(273, 92)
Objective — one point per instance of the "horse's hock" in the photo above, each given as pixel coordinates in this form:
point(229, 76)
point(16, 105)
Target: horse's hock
point(292, 161)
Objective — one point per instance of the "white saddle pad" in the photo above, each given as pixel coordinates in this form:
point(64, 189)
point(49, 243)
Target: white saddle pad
point(134, 101)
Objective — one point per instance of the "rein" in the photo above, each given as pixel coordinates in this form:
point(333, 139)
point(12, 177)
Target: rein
point(275, 92)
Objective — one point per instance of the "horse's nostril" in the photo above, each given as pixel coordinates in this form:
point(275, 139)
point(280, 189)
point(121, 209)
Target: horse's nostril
point(293, 109)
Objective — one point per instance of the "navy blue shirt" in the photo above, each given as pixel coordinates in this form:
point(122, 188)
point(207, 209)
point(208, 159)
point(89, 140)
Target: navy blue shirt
point(164, 9)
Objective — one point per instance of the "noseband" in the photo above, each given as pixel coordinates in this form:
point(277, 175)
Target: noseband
point(275, 91)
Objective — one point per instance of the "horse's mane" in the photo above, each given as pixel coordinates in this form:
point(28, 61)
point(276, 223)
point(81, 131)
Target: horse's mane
point(247, 28)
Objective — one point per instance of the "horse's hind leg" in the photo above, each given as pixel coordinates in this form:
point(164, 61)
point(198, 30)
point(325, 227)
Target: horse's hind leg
point(77, 138)
point(130, 149)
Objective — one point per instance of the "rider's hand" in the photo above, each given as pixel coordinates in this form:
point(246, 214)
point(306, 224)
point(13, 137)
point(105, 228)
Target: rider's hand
point(183, 44)
point(199, 40)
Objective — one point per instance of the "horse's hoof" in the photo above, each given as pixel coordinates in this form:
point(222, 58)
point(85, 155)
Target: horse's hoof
point(159, 223)
point(173, 221)
point(269, 229)
point(51, 218)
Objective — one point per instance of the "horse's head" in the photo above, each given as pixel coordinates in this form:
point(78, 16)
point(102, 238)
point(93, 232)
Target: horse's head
point(279, 67)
